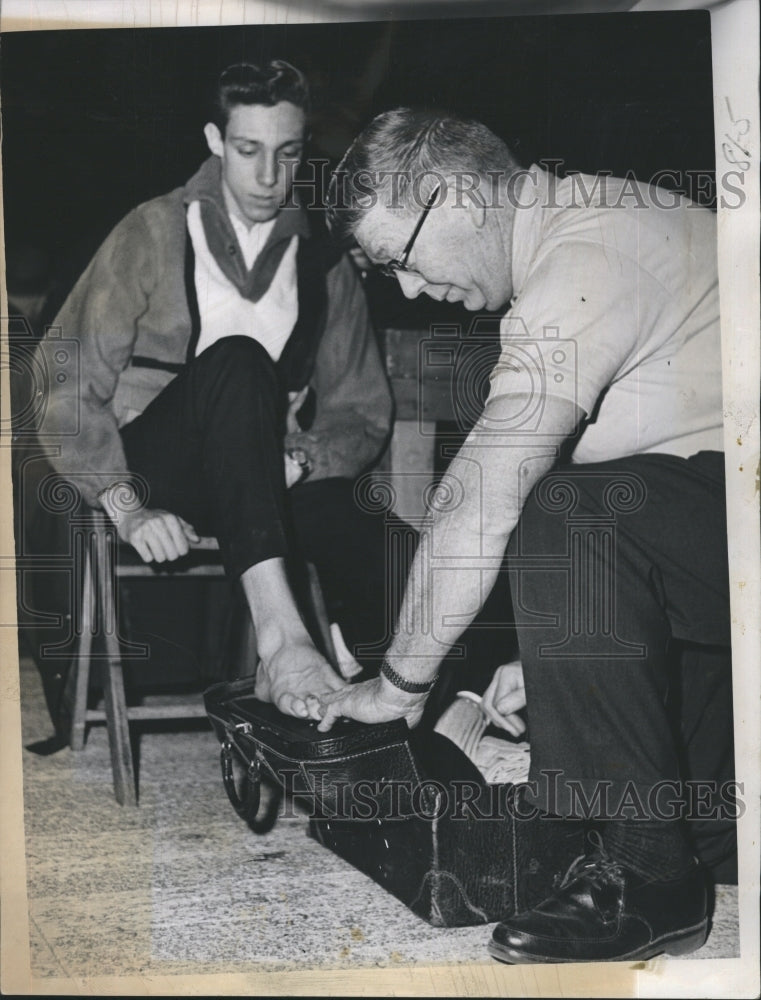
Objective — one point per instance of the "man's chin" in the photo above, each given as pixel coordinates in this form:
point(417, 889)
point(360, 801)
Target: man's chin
point(262, 214)
point(262, 210)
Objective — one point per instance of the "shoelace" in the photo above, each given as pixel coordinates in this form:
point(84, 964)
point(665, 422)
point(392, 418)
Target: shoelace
point(596, 867)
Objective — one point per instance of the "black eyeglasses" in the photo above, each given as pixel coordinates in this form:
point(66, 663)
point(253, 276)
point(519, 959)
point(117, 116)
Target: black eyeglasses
point(390, 268)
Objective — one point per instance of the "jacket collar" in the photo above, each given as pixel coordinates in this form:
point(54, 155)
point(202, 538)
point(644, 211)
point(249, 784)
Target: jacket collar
point(206, 186)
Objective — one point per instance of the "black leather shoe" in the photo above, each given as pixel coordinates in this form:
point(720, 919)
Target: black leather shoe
point(604, 912)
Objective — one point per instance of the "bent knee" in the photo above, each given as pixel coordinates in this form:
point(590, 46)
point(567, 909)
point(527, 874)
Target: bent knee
point(238, 354)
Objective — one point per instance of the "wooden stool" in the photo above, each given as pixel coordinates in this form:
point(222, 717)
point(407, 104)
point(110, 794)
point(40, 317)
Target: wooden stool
point(98, 567)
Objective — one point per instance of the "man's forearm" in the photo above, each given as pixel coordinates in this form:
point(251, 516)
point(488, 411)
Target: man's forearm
point(475, 510)
point(444, 594)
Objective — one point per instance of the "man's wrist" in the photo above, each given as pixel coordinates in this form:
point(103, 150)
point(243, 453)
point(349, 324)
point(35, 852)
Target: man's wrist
point(119, 498)
point(405, 684)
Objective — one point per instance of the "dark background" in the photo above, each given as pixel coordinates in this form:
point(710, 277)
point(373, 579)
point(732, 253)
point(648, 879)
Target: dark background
point(96, 121)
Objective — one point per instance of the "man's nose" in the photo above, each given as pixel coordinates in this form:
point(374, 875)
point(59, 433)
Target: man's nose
point(266, 172)
point(411, 284)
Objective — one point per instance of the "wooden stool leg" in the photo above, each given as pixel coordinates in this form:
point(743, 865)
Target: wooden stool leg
point(117, 720)
point(77, 684)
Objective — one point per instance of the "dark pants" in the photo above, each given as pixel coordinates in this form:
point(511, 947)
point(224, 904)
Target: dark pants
point(210, 448)
point(621, 599)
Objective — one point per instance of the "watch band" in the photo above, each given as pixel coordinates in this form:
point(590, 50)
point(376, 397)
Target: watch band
point(411, 687)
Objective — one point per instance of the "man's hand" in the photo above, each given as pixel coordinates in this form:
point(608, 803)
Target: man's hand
point(505, 696)
point(293, 471)
point(372, 701)
point(157, 535)
point(295, 402)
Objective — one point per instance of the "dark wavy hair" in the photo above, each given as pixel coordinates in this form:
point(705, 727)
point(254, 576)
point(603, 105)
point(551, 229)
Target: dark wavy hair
point(246, 83)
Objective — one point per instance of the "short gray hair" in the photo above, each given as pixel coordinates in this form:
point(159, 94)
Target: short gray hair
point(401, 156)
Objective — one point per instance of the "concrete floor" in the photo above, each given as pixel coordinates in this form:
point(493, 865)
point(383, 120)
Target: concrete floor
point(181, 886)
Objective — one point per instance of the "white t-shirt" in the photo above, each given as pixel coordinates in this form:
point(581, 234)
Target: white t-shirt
point(615, 308)
point(222, 309)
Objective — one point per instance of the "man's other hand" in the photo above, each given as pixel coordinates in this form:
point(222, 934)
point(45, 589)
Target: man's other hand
point(295, 402)
point(504, 697)
point(371, 701)
point(293, 471)
point(157, 535)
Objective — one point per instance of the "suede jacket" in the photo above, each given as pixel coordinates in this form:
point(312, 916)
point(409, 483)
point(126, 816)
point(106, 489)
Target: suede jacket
point(132, 303)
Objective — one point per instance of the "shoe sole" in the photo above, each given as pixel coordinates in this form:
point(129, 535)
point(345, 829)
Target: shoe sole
point(680, 943)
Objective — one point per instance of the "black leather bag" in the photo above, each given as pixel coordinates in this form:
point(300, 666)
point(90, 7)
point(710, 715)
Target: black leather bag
point(407, 809)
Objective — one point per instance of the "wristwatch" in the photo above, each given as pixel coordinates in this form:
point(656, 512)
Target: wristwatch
point(300, 457)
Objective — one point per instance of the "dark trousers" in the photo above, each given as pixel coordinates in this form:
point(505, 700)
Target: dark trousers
point(620, 593)
point(210, 448)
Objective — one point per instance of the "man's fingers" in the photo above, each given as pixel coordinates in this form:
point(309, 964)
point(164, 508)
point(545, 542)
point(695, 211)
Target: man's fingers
point(331, 713)
point(296, 401)
point(292, 471)
point(176, 534)
point(334, 706)
point(188, 530)
point(142, 549)
point(505, 696)
point(488, 700)
point(503, 715)
point(158, 535)
point(511, 702)
point(146, 535)
point(169, 537)
point(494, 717)
point(172, 536)
point(160, 541)
point(154, 543)
point(516, 724)
point(313, 707)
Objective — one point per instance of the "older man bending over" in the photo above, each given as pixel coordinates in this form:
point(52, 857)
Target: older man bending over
point(597, 464)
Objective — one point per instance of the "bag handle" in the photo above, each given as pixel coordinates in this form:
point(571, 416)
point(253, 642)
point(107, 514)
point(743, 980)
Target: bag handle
point(245, 804)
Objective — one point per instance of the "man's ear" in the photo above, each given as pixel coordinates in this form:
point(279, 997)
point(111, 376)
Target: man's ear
point(464, 192)
point(474, 199)
point(214, 139)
